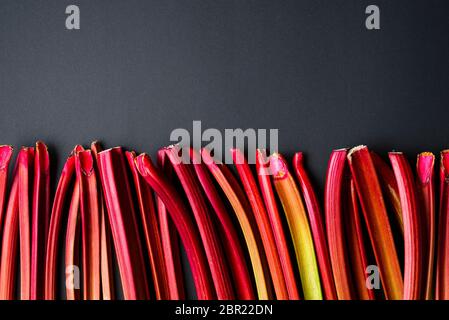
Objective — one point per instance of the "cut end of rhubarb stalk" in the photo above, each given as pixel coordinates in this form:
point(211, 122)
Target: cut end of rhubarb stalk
point(5, 155)
point(278, 166)
point(42, 149)
point(143, 161)
point(237, 156)
point(78, 148)
point(424, 166)
point(445, 163)
point(298, 158)
point(86, 162)
point(354, 150)
point(262, 162)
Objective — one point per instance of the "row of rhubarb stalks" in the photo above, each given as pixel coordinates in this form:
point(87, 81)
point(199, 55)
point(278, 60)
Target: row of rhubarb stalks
point(251, 233)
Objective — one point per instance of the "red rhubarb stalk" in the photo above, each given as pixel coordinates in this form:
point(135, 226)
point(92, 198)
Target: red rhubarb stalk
point(442, 267)
point(333, 207)
point(181, 218)
point(233, 249)
point(106, 246)
point(208, 233)
point(426, 193)
point(375, 214)
point(25, 161)
point(170, 238)
point(9, 243)
point(40, 216)
point(90, 224)
point(72, 250)
point(5, 158)
point(316, 226)
point(266, 188)
point(65, 180)
point(123, 219)
point(263, 223)
point(151, 230)
point(356, 246)
point(412, 231)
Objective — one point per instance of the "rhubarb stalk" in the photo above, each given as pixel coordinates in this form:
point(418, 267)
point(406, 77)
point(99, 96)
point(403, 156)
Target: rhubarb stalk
point(208, 233)
point(106, 262)
point(40, 216)
point(375, 214)
point(170, 238)
point(442, 267)
point(90, 224)
point(317, 227)
point(5, 158)
point(263, 223)
point(233, 249)
point(9, 242)
point(181, 219)
point(25, 159)
point(266, 188)
point(123, 219)
point(151, 230)
point(426, 192)
point(229, 187)
point(65, 180)
point(299, 227)
point(356, 246)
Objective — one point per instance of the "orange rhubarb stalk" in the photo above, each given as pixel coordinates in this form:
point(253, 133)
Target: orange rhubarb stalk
point(181, 218)
point(214, 251)
point(333, 208)
point(232, 247)
point(317, 227)
point(426, 194)
point(123, 220)
point(235, 196)
point(151, 230)
point(263, 223)
point(299, 227)
point(90, 224)
point(266, 187)
point(442, 267)
point(25, 162)
point(389, 186)
point(40, 216)
point(375, 214)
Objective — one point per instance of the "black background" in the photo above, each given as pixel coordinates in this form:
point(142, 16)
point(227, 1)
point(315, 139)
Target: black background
point(139, 69)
